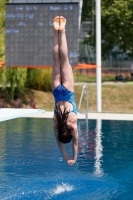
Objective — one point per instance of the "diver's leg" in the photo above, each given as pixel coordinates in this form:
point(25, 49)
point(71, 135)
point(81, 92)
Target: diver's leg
point(56, 76)
point(66, 69)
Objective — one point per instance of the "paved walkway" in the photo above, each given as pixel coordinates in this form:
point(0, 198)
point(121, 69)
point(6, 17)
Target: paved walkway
point(105, 83)
point(9, 113)
point(104, 116)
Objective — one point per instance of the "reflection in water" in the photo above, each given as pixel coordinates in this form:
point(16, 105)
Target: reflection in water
point(2, 144)
point(2, 150)
point(98, 148)
point(90, 147)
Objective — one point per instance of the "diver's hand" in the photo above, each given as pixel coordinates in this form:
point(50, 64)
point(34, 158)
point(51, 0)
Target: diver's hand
point(70, 162)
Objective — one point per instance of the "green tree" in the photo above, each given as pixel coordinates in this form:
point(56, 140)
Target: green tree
point(87, 10)
point(16, 77)
point(117, 25)
point(13, 77)
point(2, 28)
point(39, 79)
point(2, 14)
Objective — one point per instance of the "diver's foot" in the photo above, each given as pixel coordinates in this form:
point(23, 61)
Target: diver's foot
point(56, 21)
point(62, 23)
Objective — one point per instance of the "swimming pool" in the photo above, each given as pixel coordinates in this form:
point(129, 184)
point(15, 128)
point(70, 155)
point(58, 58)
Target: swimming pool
point(32, 167)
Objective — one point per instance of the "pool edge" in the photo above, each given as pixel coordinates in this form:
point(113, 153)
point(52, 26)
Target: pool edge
point(105, 116)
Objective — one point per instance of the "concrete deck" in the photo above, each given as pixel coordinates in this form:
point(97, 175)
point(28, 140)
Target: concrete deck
point(12, 113)
point(104, 116)
point(7, 113)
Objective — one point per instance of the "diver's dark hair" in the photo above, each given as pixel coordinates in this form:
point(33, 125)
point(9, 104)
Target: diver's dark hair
point(64, 135)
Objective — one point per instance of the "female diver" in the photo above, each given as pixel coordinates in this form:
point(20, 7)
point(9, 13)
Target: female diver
point(65, 116)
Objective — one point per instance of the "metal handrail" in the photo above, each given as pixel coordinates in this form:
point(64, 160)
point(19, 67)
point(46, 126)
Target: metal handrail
point(81, 97)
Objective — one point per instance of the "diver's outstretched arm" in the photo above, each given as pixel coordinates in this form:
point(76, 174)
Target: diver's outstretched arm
point(75, 143)
point(63, 150)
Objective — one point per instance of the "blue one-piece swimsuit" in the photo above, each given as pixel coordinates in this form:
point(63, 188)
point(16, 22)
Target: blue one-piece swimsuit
point(63, 94)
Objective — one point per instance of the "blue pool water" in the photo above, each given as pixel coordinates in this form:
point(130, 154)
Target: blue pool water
point(32, 167)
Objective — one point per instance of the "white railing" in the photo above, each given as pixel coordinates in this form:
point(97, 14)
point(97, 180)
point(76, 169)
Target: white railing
point(80, 101)
point(81, 97)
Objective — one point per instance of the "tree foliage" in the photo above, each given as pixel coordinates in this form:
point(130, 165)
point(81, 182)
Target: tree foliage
point(117, 24)
point(2, 14)
point(39, 79)
point(87, 10)
point(14, 77)
point(2, 29)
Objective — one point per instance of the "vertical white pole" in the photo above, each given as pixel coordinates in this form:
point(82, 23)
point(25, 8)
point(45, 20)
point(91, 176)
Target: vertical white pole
point(80, 11)
point(98, 54)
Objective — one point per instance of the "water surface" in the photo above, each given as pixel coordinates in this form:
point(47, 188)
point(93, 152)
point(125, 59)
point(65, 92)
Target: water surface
point(32, 166)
